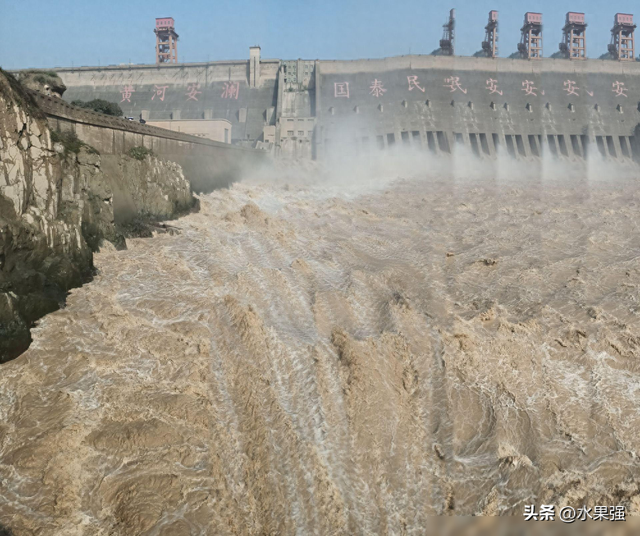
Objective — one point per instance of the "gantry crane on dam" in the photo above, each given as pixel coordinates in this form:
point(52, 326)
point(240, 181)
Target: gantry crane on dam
point(574, 40)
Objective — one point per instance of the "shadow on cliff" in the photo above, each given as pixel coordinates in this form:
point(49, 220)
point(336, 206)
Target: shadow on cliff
point(5, 531)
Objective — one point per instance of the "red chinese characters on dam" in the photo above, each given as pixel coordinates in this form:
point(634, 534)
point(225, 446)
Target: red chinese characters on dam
point(619, 89)
point(126, 92)
point(414, 84)
point(192, 91)
point(159, 92)
point(341, 90)
point(529, 88)
point(377, 88)
point(454, 84)
point(571, 88)
point(231, 90)
point(492, 86)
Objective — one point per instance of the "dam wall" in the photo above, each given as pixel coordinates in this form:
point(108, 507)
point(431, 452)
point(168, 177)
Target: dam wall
point(207, 164)
point(315, 108)
point(520, 107)
point(220, 90)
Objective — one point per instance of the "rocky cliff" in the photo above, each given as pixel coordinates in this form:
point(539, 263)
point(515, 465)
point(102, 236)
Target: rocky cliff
point(42, 251)
point(146, 188)
point(47, 82)
point(57, 204)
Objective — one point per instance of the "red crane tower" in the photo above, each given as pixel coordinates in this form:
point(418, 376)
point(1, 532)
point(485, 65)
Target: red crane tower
point(574, 37)
point(622, 45)
point(530, 46)
point(490, 43)
point(166, 41)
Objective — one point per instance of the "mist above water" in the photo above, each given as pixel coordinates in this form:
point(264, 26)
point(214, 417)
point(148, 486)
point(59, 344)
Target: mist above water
point(343, 348)
point(351, 170)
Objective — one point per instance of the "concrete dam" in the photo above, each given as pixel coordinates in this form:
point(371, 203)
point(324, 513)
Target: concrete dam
point(313, 109)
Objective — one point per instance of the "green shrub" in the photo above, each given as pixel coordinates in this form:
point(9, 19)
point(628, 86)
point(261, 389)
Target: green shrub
point(140, 153)
point(101, 106)
point(71, 142)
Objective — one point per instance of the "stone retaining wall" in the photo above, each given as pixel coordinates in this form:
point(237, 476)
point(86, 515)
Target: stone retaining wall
point(207, 164)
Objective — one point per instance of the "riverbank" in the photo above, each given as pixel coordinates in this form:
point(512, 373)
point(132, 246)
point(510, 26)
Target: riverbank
point(58, 202)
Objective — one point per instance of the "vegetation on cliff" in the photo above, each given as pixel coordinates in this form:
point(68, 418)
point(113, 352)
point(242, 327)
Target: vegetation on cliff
point(71, 142)
point(101, 106)
point(140, 152)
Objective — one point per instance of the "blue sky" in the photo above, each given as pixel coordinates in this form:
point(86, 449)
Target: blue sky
point(50, 33)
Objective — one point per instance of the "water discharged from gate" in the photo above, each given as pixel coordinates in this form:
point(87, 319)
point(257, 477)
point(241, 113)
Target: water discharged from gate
point(346, 352)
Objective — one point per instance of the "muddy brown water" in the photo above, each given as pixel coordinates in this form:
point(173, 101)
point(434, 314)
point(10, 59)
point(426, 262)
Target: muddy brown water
point(298, 361)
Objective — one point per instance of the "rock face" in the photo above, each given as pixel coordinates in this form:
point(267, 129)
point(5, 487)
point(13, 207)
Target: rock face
point(56, 206)
point(150, 188)
point(42, 251)
point(47, 82)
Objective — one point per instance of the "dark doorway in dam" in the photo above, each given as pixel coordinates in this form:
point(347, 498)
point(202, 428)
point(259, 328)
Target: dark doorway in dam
point(457, 138)
point(474, 144)
point(416, 138)
point(563, 145)
point(496, 141)
point(601, 147)
point(551, 141)
point(585, 145)
point(576, 145)
point(443, 142)
point(520, 145)
point(611, 146)
point(380, 141)
point(510, 146)
point(391, 139)
point(533, 143)
point(405, 138)
point(431, 142)
point(484, 144)
point(624, 147)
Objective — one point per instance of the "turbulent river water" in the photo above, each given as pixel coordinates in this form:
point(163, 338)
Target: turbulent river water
point(311, 357)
